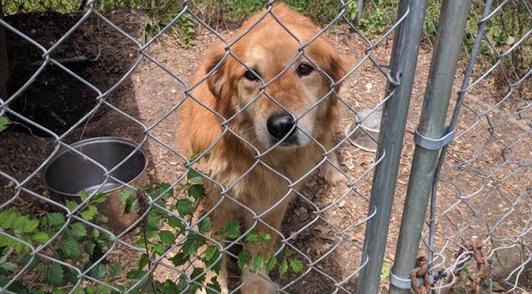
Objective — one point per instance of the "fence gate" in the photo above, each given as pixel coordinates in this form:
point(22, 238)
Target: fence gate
point(95, 197)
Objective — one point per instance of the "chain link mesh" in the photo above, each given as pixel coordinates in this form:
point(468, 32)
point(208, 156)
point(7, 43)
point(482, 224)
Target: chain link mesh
point(328, 246)
point(482, 212)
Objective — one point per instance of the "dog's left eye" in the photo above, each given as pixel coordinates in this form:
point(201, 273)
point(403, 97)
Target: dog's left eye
point(251, 76)
point(304, 69)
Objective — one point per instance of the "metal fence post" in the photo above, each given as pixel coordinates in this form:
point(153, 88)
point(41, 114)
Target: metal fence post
point(430, 137)
point(403, 67)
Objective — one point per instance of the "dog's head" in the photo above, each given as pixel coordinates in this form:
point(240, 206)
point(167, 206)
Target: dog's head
point(280, 96)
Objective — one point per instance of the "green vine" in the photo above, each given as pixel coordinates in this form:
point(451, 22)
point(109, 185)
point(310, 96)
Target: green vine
point(82, 242)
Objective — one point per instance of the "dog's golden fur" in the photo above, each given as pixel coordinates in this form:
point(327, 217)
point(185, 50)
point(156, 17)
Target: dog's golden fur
point(269, 48)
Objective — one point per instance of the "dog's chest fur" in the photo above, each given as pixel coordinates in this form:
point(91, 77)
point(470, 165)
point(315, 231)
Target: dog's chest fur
point(266, 181)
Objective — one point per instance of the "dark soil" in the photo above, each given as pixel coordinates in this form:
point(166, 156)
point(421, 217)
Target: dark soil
point(56, 99)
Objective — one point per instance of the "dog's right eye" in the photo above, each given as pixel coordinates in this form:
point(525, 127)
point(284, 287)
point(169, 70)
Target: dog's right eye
point(249, 75)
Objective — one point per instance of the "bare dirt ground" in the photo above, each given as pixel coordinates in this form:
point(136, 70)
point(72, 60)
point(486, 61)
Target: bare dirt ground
point(327, 225)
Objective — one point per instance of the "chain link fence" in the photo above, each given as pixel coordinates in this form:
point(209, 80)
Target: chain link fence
point(139, 226)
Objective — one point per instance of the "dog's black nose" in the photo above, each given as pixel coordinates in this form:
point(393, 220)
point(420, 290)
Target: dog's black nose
point(279, 125)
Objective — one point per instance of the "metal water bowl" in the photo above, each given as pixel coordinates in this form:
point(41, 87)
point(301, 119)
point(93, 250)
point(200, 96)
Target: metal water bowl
point(367, 134)
point(68, 174)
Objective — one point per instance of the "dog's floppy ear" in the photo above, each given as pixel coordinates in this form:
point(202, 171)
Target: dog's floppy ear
point(217, 71)
point(219, 81)
point(329, 61)
point(337, 68)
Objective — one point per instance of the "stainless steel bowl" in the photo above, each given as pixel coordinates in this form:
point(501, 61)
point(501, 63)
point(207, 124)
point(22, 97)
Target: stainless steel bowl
point(69, 173)
point(367, 135)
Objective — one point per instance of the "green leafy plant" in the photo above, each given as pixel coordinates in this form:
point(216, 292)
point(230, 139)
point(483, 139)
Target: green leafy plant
point(78, 244)
point(4, 123)
point(352, 10)
point(169, 229)
point(162, 230)
point(161, 16)
point(375, 23)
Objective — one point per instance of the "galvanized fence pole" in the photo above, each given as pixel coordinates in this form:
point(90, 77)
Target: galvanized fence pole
point(430, 138)
point(452, 124)
point(402, 69)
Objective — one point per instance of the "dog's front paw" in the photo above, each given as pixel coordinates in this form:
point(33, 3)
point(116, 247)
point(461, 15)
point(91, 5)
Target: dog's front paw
point(258, 284)
point(331, 175)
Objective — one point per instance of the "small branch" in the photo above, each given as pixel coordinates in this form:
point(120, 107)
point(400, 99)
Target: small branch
point(83, 4)
point(57, 118)
point(65, 61)
point(144, 229)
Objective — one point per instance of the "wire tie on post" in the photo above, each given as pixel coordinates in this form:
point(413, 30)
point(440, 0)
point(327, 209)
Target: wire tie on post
point(394, 81)
point(434, 144)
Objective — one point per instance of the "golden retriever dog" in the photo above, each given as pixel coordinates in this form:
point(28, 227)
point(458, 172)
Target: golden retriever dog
point(262, 144)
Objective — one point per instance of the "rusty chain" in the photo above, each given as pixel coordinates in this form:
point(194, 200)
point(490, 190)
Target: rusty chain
point(421, 271)
point(474, 251)
point(482, 265)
